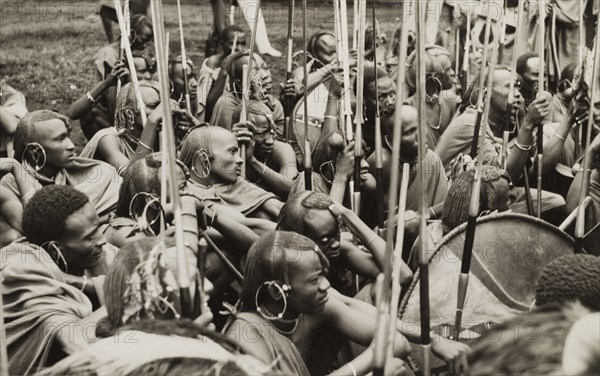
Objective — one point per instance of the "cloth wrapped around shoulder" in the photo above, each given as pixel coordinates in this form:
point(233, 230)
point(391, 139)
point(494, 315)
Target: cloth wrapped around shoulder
point(38, 303)
point(98, 180)
point(243, 196)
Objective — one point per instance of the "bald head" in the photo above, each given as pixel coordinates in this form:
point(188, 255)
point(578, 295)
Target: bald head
point(212, 154)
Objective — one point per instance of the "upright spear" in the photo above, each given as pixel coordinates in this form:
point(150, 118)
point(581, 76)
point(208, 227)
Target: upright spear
point(246, 82)
point(511, 119)
point(465, 63)
point(457, 13)
point(470, 235)
point(585, 183)
point(503, 33)
point(127, 17)
point(378, 138)
point(477, 130)
point(339, 50)
point(188, 106)
point(359, 118)
point(582, 49)
point(182, 271)
point(307, 161)
point(289, 104)
point(463, 279)
point(355, 13)
point(131, 65)
point(3, 352)
point(384, 320)
point(346, 71)
point(422, 175)
point(540, 128)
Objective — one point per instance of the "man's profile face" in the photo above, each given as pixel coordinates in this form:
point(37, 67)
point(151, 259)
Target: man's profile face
point(53, 135)
point(226, 163)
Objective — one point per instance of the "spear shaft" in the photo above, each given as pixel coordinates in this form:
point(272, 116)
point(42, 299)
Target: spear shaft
point(131, 65)
point(346, 73)
point(463, 279)
point(3, 352)
point(289, 104)
point(359, 118)
point(246, 81)
point(465, 63)
point(384, 322)
point(307, 161)
point(540, 128)
point(580, 223)
point(422, 150)
point(182, 271)
point(184, 64)
point(378, 138)
point(511, 118)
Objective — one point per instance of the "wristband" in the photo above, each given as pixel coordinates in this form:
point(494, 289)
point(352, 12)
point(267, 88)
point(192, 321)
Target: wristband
point(524, 148)
point(90, 97)
point(145, 146)
point(370, 240)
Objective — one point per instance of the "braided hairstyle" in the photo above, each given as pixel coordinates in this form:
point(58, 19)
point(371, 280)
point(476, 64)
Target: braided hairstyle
point(456, 206)
point(25, 132)
point(432, 69)
point(253, 107)
point(292, 216)
point(142, 175)
point(127, 107)
point(569, 278)
point(197, 139)
point(269, 259)
point(45, 215)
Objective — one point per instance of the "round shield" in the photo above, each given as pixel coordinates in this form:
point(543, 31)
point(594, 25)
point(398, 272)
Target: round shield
point(509, 253)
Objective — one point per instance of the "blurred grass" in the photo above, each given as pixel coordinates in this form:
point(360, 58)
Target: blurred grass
point(47, 47)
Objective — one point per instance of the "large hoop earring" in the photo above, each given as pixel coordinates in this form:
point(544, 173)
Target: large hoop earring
point(282, 290)
point(205, 161)
point(329, 164)
point(58, 256)
point(434, 98)
point(37, 153)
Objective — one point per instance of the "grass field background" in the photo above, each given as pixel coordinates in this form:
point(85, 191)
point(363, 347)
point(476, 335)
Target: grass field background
point(47, 47)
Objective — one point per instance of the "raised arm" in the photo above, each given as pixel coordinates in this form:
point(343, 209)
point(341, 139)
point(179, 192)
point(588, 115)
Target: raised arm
point(87, 101)
point(537, 112)
point(373, 242)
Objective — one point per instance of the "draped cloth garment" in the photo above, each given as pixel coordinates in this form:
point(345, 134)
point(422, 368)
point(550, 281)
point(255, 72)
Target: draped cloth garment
point(243, 196)
point(283, 352)
point(37, 304)
point(98, 180)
